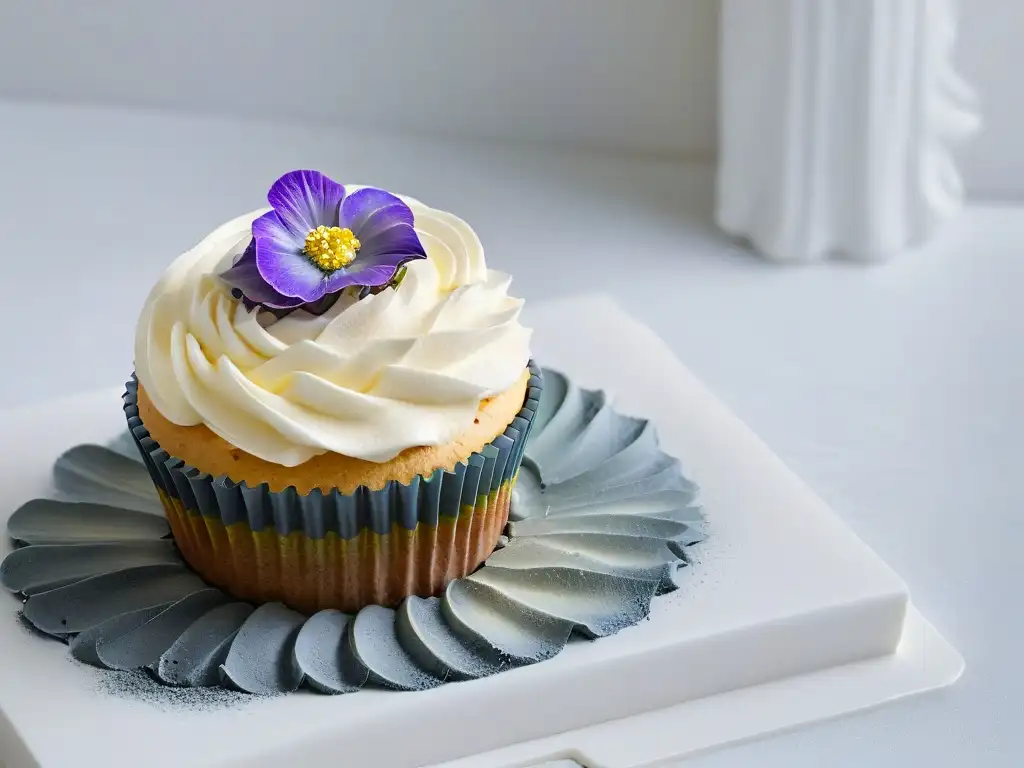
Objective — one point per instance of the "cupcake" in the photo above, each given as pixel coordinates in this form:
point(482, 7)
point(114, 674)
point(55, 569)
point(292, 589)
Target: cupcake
point(332, 397)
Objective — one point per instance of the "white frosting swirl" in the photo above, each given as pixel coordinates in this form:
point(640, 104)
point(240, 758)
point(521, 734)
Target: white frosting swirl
point(368, 379)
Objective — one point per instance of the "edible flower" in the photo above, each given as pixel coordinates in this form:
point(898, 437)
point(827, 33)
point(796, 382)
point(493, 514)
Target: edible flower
point(317, 240)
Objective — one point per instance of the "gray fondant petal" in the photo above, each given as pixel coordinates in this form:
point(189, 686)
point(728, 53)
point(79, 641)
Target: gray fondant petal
point(261, 659)
point(318, 650)
point(98, 474)
point(492, 623)
point(635, 446)
point(353, 671)
point(638, 462)
point(143, 645)
point(595, 438)
point(527, 553)
point(628, 549)
point(694, 534)
point(548, 444)
point(527, 496)
point(666, 478)
point(610, 449)
point(196, 656)
point(124, 444)
point(556, 387)
point(86, 603)
point(670, 504)
point(374, 645)
point(83, 645)
point(597, 604)
point(46, 521)
point(40, 568)
point(615, 525)
point(423, 633)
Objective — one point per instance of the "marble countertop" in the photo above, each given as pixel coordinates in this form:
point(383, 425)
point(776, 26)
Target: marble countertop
point(894, 390)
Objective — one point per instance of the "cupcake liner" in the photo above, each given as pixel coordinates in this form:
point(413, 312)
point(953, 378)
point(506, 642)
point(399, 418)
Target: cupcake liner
point(335, 550)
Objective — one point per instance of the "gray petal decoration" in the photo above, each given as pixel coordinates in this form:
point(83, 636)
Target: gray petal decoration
point(556, 388)
point(196, 656)
point(630, 453)
point(670, 504)
point(527, 495)
point(663, 476)
point(46, 521)
point(146, 643)
point(427, 638)
point(528, 554)
point(354, 673)
point(486, 618)
point(83, 645)
point(261, 658)
point(627, 525)
point(318, 652)
point(597, 604)
point(86, 603)
point(98, 474)
point(601, 520)
point(618, 550)
point(555, 443)
point(125, 445)
point(30, 570)
point(374, 646)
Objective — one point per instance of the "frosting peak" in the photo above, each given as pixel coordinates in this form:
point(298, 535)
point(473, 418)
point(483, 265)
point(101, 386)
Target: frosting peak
point(369, 378)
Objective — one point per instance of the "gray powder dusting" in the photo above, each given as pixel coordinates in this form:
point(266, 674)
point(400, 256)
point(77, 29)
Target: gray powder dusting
point(29, 628)
point(139, 686)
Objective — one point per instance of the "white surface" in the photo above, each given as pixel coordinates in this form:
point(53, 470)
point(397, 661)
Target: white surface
point(837, 123)
point(924, 661)
point(894, 391)
point(639, 76)
point(760, 606)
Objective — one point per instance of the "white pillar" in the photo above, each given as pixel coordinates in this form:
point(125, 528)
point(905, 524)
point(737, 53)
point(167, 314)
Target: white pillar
point(836, 122)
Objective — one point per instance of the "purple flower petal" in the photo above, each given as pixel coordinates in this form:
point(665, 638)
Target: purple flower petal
point(400, 238)
point(267, 297)
point(370, 275)
point(383, 219)
point(304, 200)
point(288, 271)
point(270, 228)
point(358, 207)
point(245, 277)
point(244, 274)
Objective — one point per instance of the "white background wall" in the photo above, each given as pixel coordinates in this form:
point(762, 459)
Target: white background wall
point(628, 74)
point(990, 53)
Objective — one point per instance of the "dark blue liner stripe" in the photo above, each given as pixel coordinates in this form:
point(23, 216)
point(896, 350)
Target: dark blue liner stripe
point(504, 445)
point(423, 500)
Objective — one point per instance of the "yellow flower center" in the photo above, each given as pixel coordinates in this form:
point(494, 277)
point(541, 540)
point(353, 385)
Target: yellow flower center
point(331, 248)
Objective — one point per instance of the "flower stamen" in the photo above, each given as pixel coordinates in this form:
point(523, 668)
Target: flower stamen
point(331, 248)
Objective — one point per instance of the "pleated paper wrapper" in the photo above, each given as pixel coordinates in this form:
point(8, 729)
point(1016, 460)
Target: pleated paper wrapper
point(336, 550)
